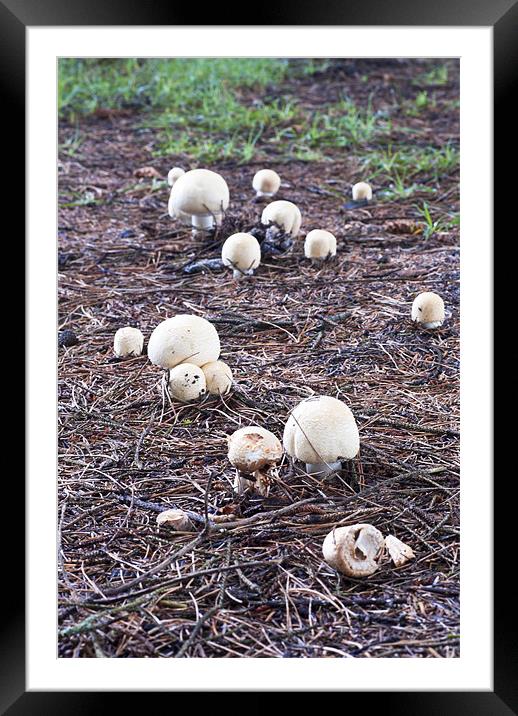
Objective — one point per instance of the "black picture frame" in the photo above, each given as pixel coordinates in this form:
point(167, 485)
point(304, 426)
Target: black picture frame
point(15, 16)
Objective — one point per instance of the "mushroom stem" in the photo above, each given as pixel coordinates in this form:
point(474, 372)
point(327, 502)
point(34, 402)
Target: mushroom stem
point(323, 469)
point(432, 324)
point(264, 193)
point(203, 223)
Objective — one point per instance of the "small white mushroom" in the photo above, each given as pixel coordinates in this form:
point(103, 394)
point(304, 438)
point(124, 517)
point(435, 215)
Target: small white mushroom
point(242, 253)
point(201, 195)
point(399, 551)
point(187, 382)
point(218, 377)
point(253, 451)
point(128, 341)
point(322, 432)
point(266, 182)
point(285, 215)
point(183, 337)
point(178, 520)
point(174, 174)
point(362, 191)
point(319, 244)
point(428, 310)
point(355, 550)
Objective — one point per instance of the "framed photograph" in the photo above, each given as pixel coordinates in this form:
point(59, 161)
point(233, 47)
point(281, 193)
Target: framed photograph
point(259, 354)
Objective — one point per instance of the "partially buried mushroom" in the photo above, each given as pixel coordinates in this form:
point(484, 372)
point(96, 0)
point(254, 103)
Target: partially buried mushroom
point(355, 550)
point(187, 382)
point(266, 183)
point(183, 337)
point(174, 174)
point(218, 377)
point(242, 253)
point(128, 341)
point(319, 244)
point(428, 310)
point(322, 432)
point(362, 191)
point(253, 451)
point(200, 198)
point(284, 216)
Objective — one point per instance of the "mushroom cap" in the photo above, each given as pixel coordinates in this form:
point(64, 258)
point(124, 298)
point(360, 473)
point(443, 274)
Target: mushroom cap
point(285, 214)
point(218, 377)
point(174, 174)
point(199, 192)
point(187, 382)
point(362, 190)
point(177, 519)
point(354, 550)
point(266, 181)
point(241, 251)
point(183, 337)
point(320, 430)
point(319, 244)
point(399, 552)
point(428, 307)
point(128, 341)
point(253, 448)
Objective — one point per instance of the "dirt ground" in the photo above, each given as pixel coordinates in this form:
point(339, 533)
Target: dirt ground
point(258, 587)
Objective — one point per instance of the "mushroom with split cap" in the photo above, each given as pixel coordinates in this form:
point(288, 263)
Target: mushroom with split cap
point(174, 174)
point(218, 377)
point(128, 341)
point(362, 191)
point(322, 432)
point(253, 451)
point(319, 244)
point(178, 520)
point(355, 550)
point(266, 182)
point(242, 253)
point(187, 382)
point(428, 310)
point(284, 215)
point(200, 197)
point(184, 337)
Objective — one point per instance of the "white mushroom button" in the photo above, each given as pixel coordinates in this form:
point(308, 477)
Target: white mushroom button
point(174, 174)
point(266, 182)
point(321, 432)
point(362, 191)
point(355, 550)
point(187, 382)
point(184, 338)
point(128, 341)
point(428, 310)
point(319, 244)
point(253, 451)
point(242, 253)
point(283, 214)
point(201, 195)
point(218, 377)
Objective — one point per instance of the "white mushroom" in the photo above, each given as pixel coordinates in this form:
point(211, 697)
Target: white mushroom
point(428, 309)
point(253, 451)
point(128, 341)
point(242, 253)
point(355, 550)
point(362, 191)
point(266, 182)
point(285, 215)
point(201, 195)
point(399, 551)
point(319, 244)
point(218, 377)
point(183, 337)
point(322, 432)
point(174, 174)
point(187, 382)
point(178, 520)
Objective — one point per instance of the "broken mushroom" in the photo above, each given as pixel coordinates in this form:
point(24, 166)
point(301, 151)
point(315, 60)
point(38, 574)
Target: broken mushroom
point(128, 341)
point(266, 182)
point(399, 552)
point(355, 550)
point(218, 377)
point(183, 337)
point(242, 253)
point(199, 197)
point(284, 216)
point(428, 310)
point(174, 174)
point(187, 382)
point(253, 451)
point(322, 432)
point(319, 244)
point(362, 191)
point(178, 520)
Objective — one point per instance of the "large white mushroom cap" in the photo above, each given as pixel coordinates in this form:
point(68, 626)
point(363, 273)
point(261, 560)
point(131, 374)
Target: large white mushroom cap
point(242, 252)
point(253, 448)
point(428, 309)
point(218, 377)
point(266, 182)
point(128, 341)
point(285, 214)
point(319, 244)
point(362, 190)
point(199, 193)
point(321, 430)
point(187, 382)
point(184, 337)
